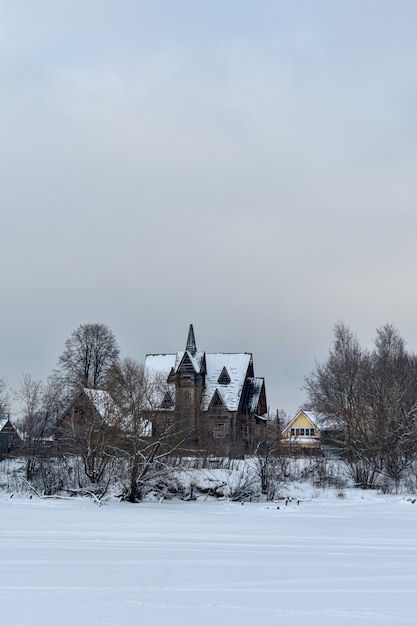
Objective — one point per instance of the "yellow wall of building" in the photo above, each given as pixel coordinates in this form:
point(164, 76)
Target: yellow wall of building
point(302, 421)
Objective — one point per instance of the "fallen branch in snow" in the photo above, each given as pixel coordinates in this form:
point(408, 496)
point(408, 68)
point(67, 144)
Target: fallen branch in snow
point(96, 499)
point(45, 496)
point(87, 492)
point(32, 488)
point(84, 492)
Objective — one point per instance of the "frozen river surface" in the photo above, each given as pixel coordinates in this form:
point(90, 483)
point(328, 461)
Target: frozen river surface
point(326, 561)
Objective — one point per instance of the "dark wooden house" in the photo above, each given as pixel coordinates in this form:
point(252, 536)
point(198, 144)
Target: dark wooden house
point(217, 395)
point(92, 413)
point(10, 440)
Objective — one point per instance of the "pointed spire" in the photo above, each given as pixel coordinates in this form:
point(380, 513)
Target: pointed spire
point(191, 345)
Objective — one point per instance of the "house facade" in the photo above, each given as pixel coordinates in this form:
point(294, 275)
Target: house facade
point(90, 415)
point(303, 432)
point(10, 441)
point(215, 396)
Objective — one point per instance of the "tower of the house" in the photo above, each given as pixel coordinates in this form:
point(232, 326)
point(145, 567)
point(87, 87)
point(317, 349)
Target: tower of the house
point(189, 382)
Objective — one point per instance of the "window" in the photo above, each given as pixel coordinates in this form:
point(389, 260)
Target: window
point(167, 402)
point(224, 378)
point(218, 431)
point(303, 432)
point(216, 400)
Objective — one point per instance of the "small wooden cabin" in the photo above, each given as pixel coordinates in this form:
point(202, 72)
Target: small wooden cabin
point(10, 441)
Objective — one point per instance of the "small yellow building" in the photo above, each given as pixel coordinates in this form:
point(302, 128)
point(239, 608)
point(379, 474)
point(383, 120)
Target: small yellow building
point(302, 431)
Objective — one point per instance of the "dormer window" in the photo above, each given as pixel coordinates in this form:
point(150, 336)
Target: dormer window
point(167, 402)
point(224, 378)
point(216, 401)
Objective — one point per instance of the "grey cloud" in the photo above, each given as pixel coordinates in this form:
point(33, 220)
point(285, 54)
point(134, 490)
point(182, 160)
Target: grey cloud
point(255, 177)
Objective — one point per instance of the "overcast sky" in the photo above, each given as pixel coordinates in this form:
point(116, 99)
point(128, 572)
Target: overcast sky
point(250, 167)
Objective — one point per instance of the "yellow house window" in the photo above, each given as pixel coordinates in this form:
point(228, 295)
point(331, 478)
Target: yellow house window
point(303, 432)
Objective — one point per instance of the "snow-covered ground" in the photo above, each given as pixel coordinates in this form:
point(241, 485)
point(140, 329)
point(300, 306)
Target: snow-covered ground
point(328, 560)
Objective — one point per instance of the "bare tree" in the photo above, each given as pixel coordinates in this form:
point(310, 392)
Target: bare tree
point(269, 460)
point(393, 400)
point(370, 399)
point(37, 416)
point(4, 398)
point(89, 354)
point(89, 429)
point(150, 433)
point(338, 390)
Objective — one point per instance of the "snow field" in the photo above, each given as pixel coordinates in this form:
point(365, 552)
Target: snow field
point(326, 561)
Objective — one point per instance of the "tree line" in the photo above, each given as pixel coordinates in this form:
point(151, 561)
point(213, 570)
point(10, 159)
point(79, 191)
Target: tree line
point(368, 400)
point(129, 439)
point(132, 443)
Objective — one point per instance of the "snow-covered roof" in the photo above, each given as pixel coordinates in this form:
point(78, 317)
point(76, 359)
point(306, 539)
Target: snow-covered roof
point(321, 421)
point(237, 366)
point(254, 391)
point(315, 419)
point(197, 360)
point(103, 402)
point(159, 364)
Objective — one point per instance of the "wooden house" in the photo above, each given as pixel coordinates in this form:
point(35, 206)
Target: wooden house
point(10, 440)
point(92, 405)
point(303, 432)
point(215, 395)
point(92, 412)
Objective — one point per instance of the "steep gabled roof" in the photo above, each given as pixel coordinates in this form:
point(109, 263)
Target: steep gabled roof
point(164, 363)
point(159, 364)
point(98, 402)
point(103, 403)
point(238, 366)
point(197, 360)
point(230, 375)
point(6, 426)
point(217, 400)
point(252, 395)
point(3, 422)
point(313, 418)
